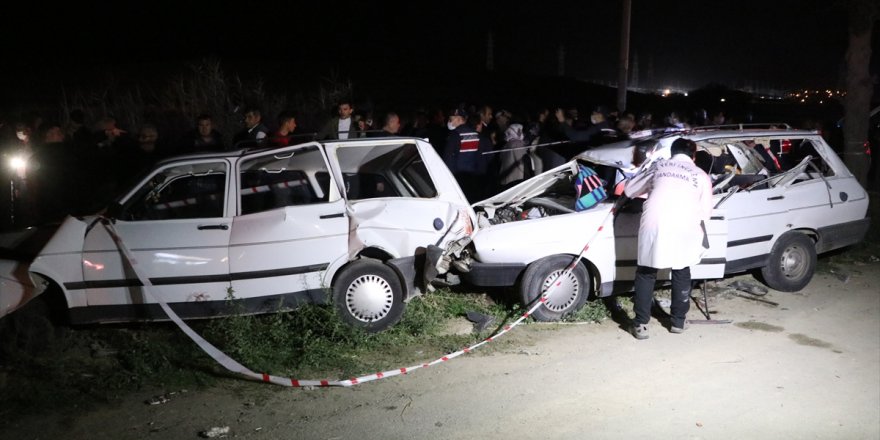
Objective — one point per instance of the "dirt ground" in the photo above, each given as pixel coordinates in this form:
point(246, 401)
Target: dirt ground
point(807, 368)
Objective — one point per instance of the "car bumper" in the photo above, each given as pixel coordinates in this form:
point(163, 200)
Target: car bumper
point(843, 234)
point(493, 274)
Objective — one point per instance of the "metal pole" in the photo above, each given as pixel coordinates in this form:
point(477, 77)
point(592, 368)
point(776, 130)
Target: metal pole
point(12, 201)
point(623, 68)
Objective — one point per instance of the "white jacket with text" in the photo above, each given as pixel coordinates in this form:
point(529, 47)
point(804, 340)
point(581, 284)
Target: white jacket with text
point(679, 198)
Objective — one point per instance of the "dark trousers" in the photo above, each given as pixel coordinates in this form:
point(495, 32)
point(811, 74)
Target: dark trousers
point(644, 296)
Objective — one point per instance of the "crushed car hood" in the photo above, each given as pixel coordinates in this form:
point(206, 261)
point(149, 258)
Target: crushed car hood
point(528, 189)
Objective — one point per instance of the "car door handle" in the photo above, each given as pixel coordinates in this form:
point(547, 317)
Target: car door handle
point(776, 198)
point(222, 227)
point(337, 215)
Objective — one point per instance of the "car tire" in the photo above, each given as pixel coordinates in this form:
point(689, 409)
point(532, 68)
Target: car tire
point(566, 299)
point(368, 294)
point(791, 264)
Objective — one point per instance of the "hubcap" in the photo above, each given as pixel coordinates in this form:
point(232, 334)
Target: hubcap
point(369, 298)
point(565, 294)
point(794, 262)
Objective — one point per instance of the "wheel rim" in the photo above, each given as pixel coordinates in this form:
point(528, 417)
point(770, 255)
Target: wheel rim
point(793, 262)
point(565, 294)
point(369, 298)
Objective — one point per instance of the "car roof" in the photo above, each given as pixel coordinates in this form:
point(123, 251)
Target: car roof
point(619, 154)
point(703, 133)
point(249, 151)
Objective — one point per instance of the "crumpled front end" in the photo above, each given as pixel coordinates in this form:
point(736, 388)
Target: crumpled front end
point(16, 287)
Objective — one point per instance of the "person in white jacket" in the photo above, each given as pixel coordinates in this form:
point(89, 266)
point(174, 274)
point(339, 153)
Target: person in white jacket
point(671, 230)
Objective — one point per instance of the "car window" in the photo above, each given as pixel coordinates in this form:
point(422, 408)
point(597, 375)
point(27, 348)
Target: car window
point(180, 192)
point(289, 178)
point(817, 167)
point(395, 170)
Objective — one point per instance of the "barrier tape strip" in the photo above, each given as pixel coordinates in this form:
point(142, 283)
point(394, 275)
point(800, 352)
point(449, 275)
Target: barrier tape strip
point(235, 367)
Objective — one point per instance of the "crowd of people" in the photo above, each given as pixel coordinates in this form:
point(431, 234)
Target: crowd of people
point(78, 166)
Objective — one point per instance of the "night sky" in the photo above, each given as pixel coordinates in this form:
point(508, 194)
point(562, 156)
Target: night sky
point(687, 44)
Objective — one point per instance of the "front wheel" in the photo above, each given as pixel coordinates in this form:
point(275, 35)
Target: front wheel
point(368, 294)
point(791, 264)
point(567, 297)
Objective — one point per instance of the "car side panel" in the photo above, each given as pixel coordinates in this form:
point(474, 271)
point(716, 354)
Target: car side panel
point(287, 250)
point(184, 261)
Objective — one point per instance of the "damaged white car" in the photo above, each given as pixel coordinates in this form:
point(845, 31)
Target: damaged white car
point(772, 218)
point(258, 231)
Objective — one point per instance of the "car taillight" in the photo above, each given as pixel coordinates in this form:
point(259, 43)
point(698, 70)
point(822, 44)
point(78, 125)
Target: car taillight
point(785, 147)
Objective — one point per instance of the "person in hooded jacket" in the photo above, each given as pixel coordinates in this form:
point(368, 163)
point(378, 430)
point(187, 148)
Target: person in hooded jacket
point(513, 155)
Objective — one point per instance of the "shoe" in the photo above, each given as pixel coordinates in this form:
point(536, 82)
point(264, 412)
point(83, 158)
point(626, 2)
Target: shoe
point(677, 330)
point(640, 331)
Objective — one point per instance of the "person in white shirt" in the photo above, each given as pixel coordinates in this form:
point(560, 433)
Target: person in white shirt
point(340, 127)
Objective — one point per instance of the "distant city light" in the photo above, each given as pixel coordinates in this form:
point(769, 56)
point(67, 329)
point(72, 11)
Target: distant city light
point(666, 92)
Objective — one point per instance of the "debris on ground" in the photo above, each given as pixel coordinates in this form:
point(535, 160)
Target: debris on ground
point(215, 432)
point(753, 289)
point(164, 398)
point(841, 275)
point(481, 321)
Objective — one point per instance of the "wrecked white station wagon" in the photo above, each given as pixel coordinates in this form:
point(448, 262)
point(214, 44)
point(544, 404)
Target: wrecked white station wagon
point(258, 231)
point(770, 218)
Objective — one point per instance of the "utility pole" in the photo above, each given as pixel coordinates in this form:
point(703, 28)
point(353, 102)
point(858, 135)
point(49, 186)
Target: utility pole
point(623, 68)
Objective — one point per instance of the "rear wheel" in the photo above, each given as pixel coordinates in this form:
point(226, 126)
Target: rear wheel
point(368, 294)
point(565, 298)
point(791, 264)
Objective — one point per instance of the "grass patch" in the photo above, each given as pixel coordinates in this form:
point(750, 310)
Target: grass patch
point(44, 368)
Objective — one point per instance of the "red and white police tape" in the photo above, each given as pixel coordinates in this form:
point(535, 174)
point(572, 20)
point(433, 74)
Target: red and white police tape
point(235, 367)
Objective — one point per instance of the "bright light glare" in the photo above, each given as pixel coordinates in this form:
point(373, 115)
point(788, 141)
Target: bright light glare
point(17, 163)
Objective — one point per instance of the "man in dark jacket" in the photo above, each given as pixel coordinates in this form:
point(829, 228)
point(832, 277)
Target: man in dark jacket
point(463, 156)
point(342, 126)
point(204, 138)
point(254, 133)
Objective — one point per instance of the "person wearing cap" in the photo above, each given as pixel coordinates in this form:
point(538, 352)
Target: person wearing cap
point(671, 231)
point(463, 156)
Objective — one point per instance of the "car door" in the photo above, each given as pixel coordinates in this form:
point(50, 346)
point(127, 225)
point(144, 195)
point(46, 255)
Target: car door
point(176, 226)
point(626, 239)
point(760, 212)
point(291, 226)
